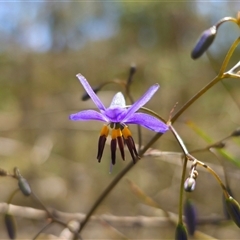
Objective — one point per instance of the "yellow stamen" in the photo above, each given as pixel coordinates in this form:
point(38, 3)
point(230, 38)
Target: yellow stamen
point(119, 132)
point(126, 132)
point(104, 131)
point(116, 133)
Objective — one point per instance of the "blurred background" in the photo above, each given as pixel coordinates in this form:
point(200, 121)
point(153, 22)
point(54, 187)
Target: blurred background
point(43, 45)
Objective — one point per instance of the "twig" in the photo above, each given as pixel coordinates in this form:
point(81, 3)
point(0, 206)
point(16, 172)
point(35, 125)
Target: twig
point(123, 221)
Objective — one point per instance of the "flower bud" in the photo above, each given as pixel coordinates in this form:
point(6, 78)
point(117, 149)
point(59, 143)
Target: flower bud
point(218, 145)
point(10, 225)
point(189, 184)
point(233, 210)
point(236, 133)
point(190, 216)
point(181, 232)
point(204, 42)
point(3, 172)
point(24, 186)
point(225, 211)
point(131, 73)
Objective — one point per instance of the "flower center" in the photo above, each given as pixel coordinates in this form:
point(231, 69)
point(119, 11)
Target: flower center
point(116, 114)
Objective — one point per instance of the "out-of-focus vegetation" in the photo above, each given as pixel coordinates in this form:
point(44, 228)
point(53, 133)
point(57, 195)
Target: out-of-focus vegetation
point(44, 45)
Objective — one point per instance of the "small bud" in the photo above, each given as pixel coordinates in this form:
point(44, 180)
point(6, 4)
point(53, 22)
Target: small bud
point(233, 210)
point(190, 216)
point(218, 145)
point(225, 211)
point(10, 225)
point(204, 42)
point(236, 133)
point(3, 172)
point(24, 186)
point(16, 172)
point(194, 174)
point(189, 184)
point(131, 73)
point(133, 69)
point(181, 232)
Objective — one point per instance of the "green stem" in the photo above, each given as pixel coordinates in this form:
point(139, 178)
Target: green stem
point(226, 19)
point(180, 207)
point(49, 214)
point(228, 56)
point(190, 157)
point(223, 167)
point(185, 151)
point(194, 98)
point(12, 196)
point(179, 140)
point(44, 228)
point(149, 111)
point(219, 77)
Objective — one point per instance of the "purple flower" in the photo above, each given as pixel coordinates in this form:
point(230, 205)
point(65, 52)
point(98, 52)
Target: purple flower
point(118, 116)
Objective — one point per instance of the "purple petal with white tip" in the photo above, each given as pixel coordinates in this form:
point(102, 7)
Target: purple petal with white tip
point(118, 101)
point(147, 121)
point(90, 92)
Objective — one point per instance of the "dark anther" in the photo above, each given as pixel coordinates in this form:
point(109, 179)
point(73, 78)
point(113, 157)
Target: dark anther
point(113, 150)
point(101, 145)
point(121, 146)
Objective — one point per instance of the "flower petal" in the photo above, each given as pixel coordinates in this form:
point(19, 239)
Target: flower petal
point(118, 101)
point(142, 101)
point(90, 92)
point(87, 115)
point(147, 121)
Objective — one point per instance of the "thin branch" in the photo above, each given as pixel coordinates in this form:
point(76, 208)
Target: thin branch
point(122, 221)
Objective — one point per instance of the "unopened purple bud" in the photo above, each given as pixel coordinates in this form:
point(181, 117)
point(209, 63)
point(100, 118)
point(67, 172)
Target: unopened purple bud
point(181, 232)
point(225, 211)
point(24, 186)
point(233, 210)
point(190, 216)
point(204, 42)
point(10, 225)
point(131, 73)
point(189, 184)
